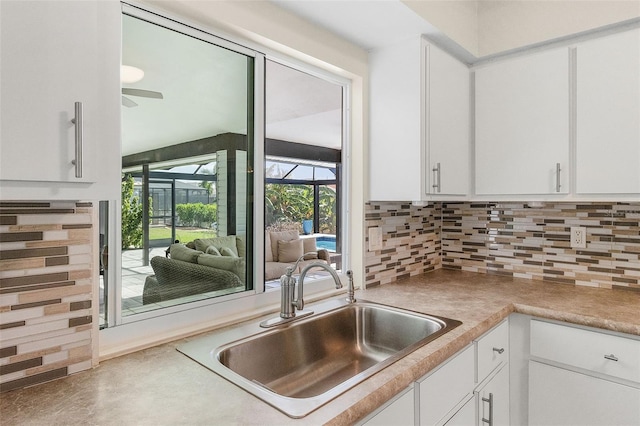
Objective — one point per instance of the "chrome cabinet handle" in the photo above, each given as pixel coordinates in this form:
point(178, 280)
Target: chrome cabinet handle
point(558, 170)
point(436, 177)
point(611, 357)
point(489, 421)
point(77, 120)
point(499, 350)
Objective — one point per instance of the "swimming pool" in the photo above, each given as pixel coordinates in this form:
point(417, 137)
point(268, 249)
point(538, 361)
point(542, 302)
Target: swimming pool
point(326, 242)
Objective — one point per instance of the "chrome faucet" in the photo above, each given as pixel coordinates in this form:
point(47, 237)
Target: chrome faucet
point(288, 305)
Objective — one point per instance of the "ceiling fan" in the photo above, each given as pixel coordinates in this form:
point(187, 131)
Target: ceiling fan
point(130, 74)
point(138, 92)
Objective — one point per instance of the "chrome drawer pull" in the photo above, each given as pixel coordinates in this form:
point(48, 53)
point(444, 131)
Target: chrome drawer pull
point(489, 421)
point(611, 357)
point(78, 121)
point(499, 350)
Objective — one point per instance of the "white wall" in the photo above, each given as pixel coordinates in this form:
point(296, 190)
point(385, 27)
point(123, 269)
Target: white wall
point(458, 19)
point(486, 27)
point(504, 25)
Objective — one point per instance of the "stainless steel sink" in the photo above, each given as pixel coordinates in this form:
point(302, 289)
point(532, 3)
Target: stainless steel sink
point(299, 366)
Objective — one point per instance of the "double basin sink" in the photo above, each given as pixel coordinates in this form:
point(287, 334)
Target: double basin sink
point(301, 365)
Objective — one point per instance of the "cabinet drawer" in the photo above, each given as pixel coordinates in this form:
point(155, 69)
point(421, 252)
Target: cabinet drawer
point(492, 349)
point(445, 388)
point(598, 352)
point(399, 411)
point(562, 397)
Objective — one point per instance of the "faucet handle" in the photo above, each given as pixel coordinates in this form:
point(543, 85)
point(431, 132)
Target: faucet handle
point(291, 269)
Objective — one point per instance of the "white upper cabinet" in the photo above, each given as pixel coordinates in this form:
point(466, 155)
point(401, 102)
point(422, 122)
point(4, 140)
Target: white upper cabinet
point(608, 115)
point(54, 54)
point(419, 119)
point(522, 125)
point(448, 123)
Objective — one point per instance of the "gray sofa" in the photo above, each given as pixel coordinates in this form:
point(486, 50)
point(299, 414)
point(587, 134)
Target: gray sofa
point(207, 265)
point(195, 268)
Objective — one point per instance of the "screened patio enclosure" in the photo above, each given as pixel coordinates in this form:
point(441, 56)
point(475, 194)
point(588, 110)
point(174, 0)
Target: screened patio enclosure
point(185, 199)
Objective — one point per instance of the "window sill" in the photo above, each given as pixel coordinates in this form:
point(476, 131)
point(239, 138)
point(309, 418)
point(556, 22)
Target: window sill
point(145, 333)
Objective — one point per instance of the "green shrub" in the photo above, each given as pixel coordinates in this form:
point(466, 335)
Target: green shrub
point(195, 214)
point(131, 215)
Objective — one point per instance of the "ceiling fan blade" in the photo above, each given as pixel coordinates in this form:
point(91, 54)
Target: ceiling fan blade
point(128, 102)
point(142, 93)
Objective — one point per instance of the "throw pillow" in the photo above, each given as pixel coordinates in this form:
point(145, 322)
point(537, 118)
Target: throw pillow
point(281, 236)
point(184, 253)
point(226, 263)
point(219, 242)
point(226, 251)
point(214, 251)
point(241, 245)
point(289, 251)
point(268, 250)
point(309, 248)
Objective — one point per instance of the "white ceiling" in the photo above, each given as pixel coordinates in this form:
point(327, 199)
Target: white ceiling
point(365, 23)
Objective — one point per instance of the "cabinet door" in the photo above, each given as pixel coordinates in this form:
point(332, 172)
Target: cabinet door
point(50, 60)
point(466, 416)
point(522, 125)
point(447, 97)
point(446, 388)
point(396, 154)
point(608, 114)
point(563, 397)
point(493, 400)
point(400, 411)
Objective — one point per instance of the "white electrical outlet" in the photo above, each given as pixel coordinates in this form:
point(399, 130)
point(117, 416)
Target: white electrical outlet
point(375, 239)
point(578, 237)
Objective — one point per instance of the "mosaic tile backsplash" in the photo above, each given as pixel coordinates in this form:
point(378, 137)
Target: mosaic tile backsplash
point(513, 239)
point(411, 241)
point(46, 262)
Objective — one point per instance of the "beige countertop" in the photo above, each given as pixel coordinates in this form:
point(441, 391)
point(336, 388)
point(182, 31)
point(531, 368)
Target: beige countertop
point(161, 386)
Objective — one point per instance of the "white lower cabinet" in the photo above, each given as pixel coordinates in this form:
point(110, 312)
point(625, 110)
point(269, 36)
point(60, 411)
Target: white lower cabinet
point(581, 376)
point(465, 416)
point(552, 373)
point(399, 411)
point(493, 399)
point(445, 389)
point(562, 397)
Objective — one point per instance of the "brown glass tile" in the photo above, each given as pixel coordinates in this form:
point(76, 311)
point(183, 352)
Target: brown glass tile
point(11, 237)
point(33, 279)
point(19, 366)
point(13, 204)
point(37, 211)
point(8, 351)
point(34, 304)
point(76, 306)
point(20, 289)
point(35, 379)
point(8, 220)
point(12, 325)
point(74, 322)
point(77, 226)
point(36, 252)
point(56, 261)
